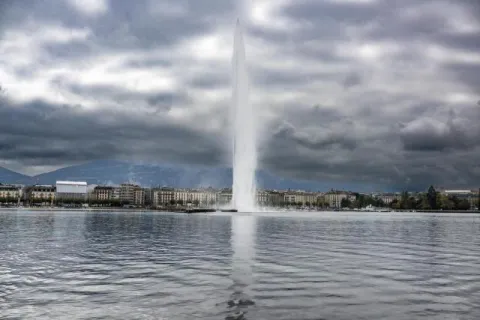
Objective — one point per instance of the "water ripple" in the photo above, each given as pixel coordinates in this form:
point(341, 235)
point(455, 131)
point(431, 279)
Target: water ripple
point(273, 266)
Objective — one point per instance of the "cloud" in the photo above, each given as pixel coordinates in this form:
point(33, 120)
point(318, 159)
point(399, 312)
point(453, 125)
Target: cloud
point(53, 135)
point(345, 90)
point(90, 7)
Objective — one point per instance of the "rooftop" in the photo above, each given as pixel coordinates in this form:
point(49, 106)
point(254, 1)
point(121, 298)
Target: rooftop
point(458, 191)
point(79, 183)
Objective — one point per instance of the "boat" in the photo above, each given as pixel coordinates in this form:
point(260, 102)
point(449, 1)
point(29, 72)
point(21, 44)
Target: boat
point(199, 210)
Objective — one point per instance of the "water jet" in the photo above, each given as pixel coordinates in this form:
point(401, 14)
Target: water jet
point(244, 131)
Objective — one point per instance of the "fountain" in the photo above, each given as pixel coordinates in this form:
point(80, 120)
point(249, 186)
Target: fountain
point(244, 129)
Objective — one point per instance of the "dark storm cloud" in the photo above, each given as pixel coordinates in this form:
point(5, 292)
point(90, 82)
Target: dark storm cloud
point(386, 21)
point(350, 113)
point(162, 101)
point(210, 80)
point(147, 62)
point(352, 80)
point(347, 12)
point(126, 24)
point(58, 52)
point(406, 156)
point(285, 79)
point(317, 116)
point(424, 134)
point(129, 24)
point(468, 73)
point(288, 134)
point(66, 134)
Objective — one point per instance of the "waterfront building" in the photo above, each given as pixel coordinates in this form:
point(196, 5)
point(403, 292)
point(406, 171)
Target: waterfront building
point(334, 198)
point(300, 198)
point(202, 197)
point(71, 190)
point(225, 196)
point(163, 196)
point(180, 195)
point(10, 193)
point(127, 192)
point(274, 198)
point(40, 193)
point(116, 193)
point(207, 196)
point(263, 198)
point(148, 196)
point(139, 197)
point(103, 193)
point(388, 198)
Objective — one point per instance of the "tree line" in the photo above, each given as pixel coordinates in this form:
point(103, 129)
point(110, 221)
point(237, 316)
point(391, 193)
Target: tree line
point(431, 200)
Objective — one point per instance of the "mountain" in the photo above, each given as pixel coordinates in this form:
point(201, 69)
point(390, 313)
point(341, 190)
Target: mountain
point(9, 176)
point(114, 172)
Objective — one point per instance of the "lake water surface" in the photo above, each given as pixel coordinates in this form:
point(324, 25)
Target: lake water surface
point(143, 265)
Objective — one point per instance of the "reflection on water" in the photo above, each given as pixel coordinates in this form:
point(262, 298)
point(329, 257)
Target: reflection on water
point(243, 246)
point(272, 266)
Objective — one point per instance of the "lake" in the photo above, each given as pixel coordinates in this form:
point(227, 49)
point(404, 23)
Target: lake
point(326, 265)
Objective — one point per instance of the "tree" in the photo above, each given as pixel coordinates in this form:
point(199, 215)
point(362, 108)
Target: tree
point(345, 203)
point(320, 202)
point(307, 203)
point(463, 204)
point(395, 204)
point(380, 203)
point(423, 203)
point(404, 200)
point(478, 195)
point(432, 198)
point(196, 202)
point(444, 202)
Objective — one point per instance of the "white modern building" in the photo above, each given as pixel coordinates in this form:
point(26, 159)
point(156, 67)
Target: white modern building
point(71, 190)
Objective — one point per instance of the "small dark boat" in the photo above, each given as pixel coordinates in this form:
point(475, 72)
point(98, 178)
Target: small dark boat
point(199, 210)
point(229, 210)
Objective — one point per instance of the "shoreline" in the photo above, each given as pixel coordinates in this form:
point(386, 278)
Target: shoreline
point(211, 210)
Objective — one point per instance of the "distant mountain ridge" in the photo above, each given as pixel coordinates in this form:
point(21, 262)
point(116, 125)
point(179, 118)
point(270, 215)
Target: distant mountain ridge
point(115, 172)
point(180, 176)
point(9, 176)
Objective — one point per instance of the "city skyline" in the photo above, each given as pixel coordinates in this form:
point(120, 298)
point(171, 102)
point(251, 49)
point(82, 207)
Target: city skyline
point(348, 90)
point(130, 195)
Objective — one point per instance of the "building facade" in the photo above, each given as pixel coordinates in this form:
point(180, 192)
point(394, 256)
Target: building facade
point(388, 198)
point(203, 197)
point(116, 193)
point(127, 192)
point(163, 197)
point(40, 193)
point(103, 193)
point(10, 193)
point(225, 196)
point(139, 196)
point(148, 196)
point(300, 198)
point(334, 198)
point(71, 190)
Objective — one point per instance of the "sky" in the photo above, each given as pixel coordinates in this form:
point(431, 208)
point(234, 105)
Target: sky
point(344, 90)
